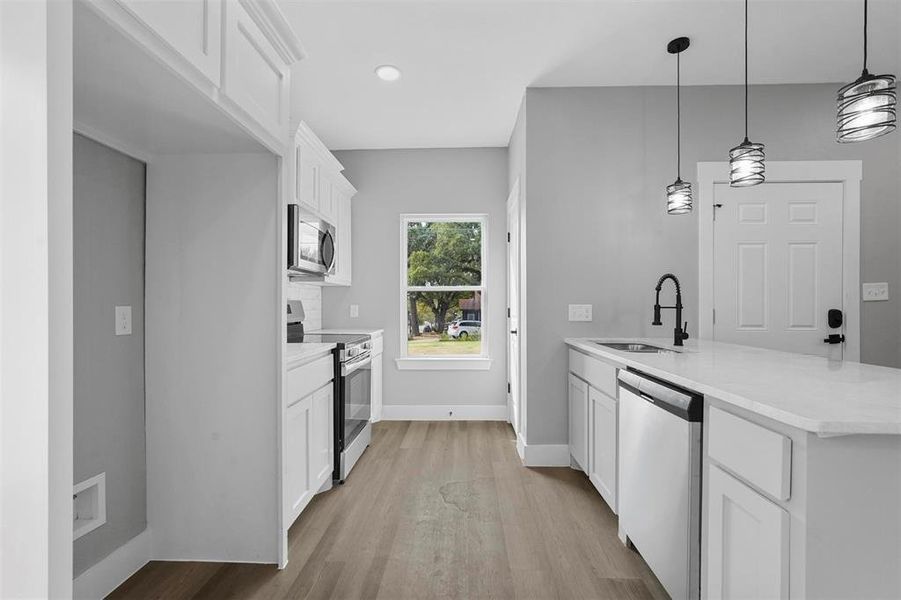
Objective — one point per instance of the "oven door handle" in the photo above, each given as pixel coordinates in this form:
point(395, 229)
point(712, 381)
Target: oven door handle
point(357, 363)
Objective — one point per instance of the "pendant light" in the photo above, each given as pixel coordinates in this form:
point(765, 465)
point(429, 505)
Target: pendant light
point(678, 194)
point(746, 159)
point(866, 108)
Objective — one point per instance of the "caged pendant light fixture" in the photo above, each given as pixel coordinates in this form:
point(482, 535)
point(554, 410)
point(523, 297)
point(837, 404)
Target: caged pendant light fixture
point(746, 160)
point(866, 107)
point(678, 194)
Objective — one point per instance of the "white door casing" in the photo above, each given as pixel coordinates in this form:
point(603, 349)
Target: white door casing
point(513, 305)
point(774, 258)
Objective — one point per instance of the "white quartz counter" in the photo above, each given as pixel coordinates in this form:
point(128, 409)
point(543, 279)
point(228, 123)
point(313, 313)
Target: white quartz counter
point(361, 330)
point(298, 354)
point(808, 392)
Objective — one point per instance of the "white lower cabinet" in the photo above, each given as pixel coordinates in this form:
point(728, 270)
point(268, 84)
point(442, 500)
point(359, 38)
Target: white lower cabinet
point(299, 427)
point(310, 449)
point(602, 444)
point(578, 421)
point(748, 541)
point(376, 389)
point(322, 449)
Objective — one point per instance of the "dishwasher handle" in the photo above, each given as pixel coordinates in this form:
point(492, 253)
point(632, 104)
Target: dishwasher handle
point(685, 404)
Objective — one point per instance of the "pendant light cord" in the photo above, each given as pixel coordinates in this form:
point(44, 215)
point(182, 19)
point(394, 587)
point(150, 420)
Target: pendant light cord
point(678, 116)
point(865, 14)
point(746, 69)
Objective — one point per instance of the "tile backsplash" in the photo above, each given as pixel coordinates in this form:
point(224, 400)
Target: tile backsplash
point(311, 296)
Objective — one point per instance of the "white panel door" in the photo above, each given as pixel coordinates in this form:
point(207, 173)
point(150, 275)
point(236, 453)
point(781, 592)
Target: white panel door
point(602, 445)
point(578, 421)
point(747, 542)
point(513, 324)
point(778, 265)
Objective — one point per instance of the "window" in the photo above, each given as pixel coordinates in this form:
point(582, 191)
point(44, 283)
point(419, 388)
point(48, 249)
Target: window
point(443, 291)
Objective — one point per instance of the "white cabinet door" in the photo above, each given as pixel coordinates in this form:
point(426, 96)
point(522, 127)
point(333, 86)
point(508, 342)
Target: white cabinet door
point(327, 199)
point(298, 430)
point(344, 232)
point(254, 77)
point(305, 174)
point(191, 27)
point(602, 445)
point(578, 420)
point(747, 541)
point(321, 450)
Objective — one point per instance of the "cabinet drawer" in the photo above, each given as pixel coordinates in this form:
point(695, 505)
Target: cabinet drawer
point(596, 372)
point(759, 456)
point(306, 379)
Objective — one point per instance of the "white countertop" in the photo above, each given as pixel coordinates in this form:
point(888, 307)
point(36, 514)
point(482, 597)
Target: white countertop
point(297, 354)
point(808, 392)
point(371, 332)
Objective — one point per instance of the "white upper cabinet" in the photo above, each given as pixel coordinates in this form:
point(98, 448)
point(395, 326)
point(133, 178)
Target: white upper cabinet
point(238, 53)
point(319, 187)
point(254, 76)
point(191, 27)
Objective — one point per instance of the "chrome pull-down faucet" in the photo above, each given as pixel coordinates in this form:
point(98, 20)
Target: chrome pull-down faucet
point(679, 333)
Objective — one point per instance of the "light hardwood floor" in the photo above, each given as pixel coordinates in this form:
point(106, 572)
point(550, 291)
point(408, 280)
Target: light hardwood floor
point(434, 510)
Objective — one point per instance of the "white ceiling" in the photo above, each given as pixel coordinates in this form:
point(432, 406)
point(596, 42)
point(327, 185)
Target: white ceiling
point(466, 63)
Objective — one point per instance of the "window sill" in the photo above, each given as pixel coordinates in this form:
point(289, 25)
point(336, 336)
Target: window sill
point(443, 364)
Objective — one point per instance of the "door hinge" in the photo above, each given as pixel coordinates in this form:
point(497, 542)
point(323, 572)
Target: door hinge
point(509, 388)
point(508, 312)
point(714, 316)
point(508, 236)
point(716, 206)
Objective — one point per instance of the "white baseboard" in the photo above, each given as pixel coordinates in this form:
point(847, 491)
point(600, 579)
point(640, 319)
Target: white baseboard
point(101, 579)
point(444, 412)
point(543, 455)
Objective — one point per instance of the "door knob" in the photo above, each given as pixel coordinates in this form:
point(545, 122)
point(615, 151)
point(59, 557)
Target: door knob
point(835, 338)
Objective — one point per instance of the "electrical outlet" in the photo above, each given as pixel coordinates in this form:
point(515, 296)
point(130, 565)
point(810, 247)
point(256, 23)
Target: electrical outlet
point(123, 320)
point(580, 312)
point(354, 311)
point(875, 292)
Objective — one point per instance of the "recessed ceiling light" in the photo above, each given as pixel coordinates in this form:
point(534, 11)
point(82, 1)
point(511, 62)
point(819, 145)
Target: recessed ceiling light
point(387, 72)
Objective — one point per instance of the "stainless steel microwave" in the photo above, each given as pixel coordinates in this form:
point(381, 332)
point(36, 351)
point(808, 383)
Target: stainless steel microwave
point(311, 243)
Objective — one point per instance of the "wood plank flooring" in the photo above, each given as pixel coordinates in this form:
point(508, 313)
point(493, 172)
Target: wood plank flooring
point(434, 510)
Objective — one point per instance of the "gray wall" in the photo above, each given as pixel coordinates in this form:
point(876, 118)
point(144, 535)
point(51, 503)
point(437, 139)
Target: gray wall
point(109, 369)
point(393, 182)
point(597, 163)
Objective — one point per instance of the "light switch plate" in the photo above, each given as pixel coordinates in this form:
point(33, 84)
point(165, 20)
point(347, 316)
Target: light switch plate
point(875, 292)
point(354, 311)
point(123, 320)
point(580, 312)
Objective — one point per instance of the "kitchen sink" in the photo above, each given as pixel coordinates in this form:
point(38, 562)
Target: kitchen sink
point(633, 347)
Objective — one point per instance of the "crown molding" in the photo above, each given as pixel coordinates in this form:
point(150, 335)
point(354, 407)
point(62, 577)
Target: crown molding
point(269, 17)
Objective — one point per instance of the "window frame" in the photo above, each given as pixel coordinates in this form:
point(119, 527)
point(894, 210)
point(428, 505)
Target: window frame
point(479, 362)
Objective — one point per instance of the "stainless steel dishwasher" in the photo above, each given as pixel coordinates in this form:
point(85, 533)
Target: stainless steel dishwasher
point(660, 478)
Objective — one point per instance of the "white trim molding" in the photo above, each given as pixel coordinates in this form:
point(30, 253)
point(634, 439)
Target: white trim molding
point(543, 455)
point(444, 412)
point(104, 577)
point(443, 364)
point(847, 172)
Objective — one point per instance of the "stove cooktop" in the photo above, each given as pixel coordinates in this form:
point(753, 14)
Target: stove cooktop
point(335, 338)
